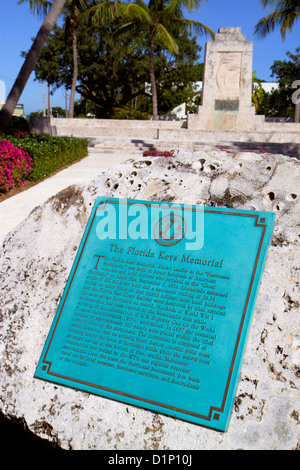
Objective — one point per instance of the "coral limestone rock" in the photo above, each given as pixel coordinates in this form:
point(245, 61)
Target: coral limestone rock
point(36, 259)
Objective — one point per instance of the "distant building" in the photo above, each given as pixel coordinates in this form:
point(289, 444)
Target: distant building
point(2, 93)
point(19, 111)
point(269, 86)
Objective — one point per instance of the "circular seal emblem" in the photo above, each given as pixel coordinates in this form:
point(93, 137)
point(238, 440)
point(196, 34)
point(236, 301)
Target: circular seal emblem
point(170, 230)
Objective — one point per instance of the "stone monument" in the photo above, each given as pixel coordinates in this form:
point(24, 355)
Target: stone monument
point(227, 85)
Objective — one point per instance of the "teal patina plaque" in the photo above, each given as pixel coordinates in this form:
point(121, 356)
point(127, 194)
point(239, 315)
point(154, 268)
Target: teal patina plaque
point(158, 305)
point(227, 105)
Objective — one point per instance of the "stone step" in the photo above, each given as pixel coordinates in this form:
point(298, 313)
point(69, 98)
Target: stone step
point(136, 146)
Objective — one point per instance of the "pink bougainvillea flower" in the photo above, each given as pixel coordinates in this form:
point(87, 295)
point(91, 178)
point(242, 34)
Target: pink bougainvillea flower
point(156, 153)
point(15, 165)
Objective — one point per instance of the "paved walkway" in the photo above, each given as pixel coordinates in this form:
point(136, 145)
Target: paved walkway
point(16, 208)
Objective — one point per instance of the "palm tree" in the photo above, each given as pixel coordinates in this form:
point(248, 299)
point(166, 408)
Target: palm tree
point(31, 58)
point(285, 14)
point(73, 12)
point(76, 8)
point(160, 19)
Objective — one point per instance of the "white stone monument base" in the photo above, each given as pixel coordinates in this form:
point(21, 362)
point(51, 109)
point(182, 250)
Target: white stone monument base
point(208, 119)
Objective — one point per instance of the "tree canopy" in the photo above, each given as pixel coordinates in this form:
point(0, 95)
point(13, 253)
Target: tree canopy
point(278, 102)
point(113, 68)
point(284, 15)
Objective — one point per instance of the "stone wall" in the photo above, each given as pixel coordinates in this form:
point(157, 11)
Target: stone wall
point(102, 127)
point(129, 136)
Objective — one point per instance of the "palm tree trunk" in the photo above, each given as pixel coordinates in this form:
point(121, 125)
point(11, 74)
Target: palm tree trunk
point(44, 98)
point(297, 105)
point(75, 73)
point(29, 63)
point(66, 104)
point(153, 81)
point(49, 101)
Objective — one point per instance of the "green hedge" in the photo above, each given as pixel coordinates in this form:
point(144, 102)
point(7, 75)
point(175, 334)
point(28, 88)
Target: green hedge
point(49, 154)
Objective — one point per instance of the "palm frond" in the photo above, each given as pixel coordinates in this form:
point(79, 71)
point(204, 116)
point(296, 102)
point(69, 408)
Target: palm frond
point(103, 12)
point(108, 11)
point(79, 4)
point(192, 26)
point(142, 4)
point(192, 4)
point(162, 35)
point(285, 13)
point(176, 5)
point(172, 7)
point(39, 7)
point(133, 11)
point(288, 22)
point(283, 18)
point(280, 4)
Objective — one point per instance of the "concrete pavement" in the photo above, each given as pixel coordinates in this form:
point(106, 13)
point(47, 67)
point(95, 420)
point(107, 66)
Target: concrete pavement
point(16, 208)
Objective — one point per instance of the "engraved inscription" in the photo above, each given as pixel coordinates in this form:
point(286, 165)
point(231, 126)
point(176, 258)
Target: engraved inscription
point(148, 318)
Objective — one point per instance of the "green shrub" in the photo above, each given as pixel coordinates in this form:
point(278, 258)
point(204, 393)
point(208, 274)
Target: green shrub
point(50, 154)
point(17, 124)
point(128, 113)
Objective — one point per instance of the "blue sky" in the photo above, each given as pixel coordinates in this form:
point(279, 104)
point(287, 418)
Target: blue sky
point(18, 26)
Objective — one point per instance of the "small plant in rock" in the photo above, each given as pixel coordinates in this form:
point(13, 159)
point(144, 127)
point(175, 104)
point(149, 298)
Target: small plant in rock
point(15, 166)
point(157, 153)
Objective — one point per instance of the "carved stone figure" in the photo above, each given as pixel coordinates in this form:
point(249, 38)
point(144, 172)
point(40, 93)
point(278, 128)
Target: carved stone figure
point(228, 75)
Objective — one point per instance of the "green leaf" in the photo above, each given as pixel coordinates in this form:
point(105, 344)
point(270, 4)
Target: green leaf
point(162, 35)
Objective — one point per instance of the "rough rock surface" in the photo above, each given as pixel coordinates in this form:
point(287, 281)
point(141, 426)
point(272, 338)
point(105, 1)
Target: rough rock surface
point(36, 259)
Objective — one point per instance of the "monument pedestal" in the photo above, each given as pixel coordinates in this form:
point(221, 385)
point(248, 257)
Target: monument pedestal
point(210, 119)
point(227, 86)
